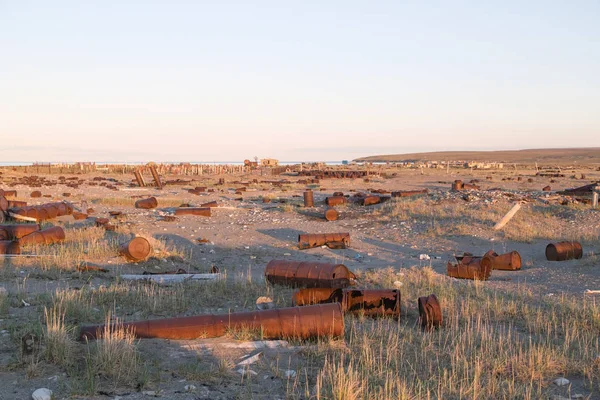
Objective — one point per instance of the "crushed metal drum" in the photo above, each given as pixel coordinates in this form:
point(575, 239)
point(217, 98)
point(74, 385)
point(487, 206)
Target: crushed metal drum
point(563, 251)
point(137, 249)
point(309, 274)
point(323, 320)
point(430, 312)
point(469, 267)
point(371, 302)
point(308, 241)
point(507, 262)
point(147, 204)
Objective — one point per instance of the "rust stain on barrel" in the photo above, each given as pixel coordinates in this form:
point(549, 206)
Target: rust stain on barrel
point(323, 320)
point(308, 274)
point(309, 199)
point(46, 236)
point(17, 231)
point(335, 201)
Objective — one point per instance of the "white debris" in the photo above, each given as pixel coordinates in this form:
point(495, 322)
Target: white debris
point(424, 257)
point(243, 371)
point(561, 382)
point(398, 284)
point(290, 373)
point(264, 303)
point(189, 388)
point(42, 394)
point(250, 359)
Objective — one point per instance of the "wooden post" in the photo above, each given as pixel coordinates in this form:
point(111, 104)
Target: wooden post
point(595, 200)
point(508, 216)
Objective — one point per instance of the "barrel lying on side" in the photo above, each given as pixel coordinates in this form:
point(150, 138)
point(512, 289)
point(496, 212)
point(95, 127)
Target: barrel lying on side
point(336, 240)
point(335, 201)
point(17, 231)
point(563, 251)
point(200, 211)
point(308, 274)
point(324, 320)
point(42, 212)
point(9, 247)
point(469, 268)
point(50, 235)
point(147, 204)
point(508, 262)
point(137, 249)
point(409, 193)
point(371, 302)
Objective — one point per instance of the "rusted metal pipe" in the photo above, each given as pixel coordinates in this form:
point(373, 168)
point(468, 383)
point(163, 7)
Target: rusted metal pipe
point(409, 193)
point(201, 211)
point(372, 302)
point(9, 247)
point(50, 235)
point(469, 268)
point(331, 214)
point(563, 251)
point(147, 204)
point(335, 201)
point(430, 312)
point(308, 241)
point(17, 231)
point(308, 274)
point(323, 320)
point(137, 249)
point(508, 262)
point(156, 177)
point(309, 199)
point(139, 178)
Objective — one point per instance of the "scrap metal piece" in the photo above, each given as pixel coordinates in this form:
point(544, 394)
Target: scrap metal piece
point(48, 236)
point(201, 211)
point(147, 204)
point(371, 302)
point(308, 241)
point(430, 312)
point(507, 262)
point(335, 201)
point(139, 178)
point(331, 214)
point(409, 193)
point(137, 249)
point(323, 320)
point(563, 251)
point(9, 247)
point(309, 274)
point(469, 268)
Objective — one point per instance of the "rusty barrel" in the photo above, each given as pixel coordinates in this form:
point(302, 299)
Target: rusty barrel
point(209, 204)
point(335, 201)
point(309, 200)
point(137, 249)
point(430, 312)
point(469, 268)
point(36, 193)
point(331, 214)
point(369, 200)
point(9, 247)
point(3, 203)
point(470, 186)
point(50, 235)
point(17, 231)
point(78, 215)
point(10, 194)
point(147, 204)
point(371, 302)
point(16, 203)
point(457, 185)
point(508, 262)
point(308, 241)
point(323, 320)
point(308, 274)
point(563, 251)
point(201, 211)
point(409, 193)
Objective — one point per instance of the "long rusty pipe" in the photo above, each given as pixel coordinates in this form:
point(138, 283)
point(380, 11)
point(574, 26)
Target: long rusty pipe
point(308, 274)
point(371, 302)
point(297, 322)
point(308, 241)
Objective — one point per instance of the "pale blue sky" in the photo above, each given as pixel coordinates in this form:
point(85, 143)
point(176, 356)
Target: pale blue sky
point(303, 80)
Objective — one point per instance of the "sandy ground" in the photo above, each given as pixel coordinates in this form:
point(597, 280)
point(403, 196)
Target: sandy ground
point(245, 235)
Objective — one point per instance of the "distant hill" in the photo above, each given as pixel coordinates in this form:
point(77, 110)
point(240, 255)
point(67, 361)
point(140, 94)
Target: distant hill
point(589, 155)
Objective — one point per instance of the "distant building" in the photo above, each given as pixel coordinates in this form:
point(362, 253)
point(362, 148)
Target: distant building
point(269, 162)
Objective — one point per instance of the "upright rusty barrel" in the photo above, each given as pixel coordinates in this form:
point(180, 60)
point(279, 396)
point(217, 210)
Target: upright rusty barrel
point(371, 302)
point(137, 249)
point(335, 200)
point(331, 214)
point(469, 268)
point(50, 235)
point(508, 262)
point(309, 199)
point(430, 312)
point(9, 247)
point(200, 211)
point(147, 204)
point(563, 251)
point(308, 241)
point(17, 231)
point(324, 320)
point(308, 274)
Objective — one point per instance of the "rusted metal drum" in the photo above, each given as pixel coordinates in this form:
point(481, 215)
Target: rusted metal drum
point(50, 235)
point(369, 200)
point(315, 240)
point(338, 194)
point(79, 216)
point(335, 201)
point(371, 302)
point(209, 204)
point(308, 274)
point(508, 262)
point(17, 231)
point(469, 268)
point(42, 212)
point(16, 203)
point(546, 188)
point(137, 249)
point(470, 186)
point(139, 178)
point(9, 247)
point(36, 193)
point(309, 200)
point(147, 204)
point(563, 251)
point(3, 203)
point(9, 194)
point(409, 193)
point(201, 211)
point(331, 214)
point(457, 185)
point(430, 312)
point(323, 320)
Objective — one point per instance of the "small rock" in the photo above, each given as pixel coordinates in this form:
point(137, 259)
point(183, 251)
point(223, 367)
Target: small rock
point(42, 394)
point(561, 382)
point(189, 388)
point(424, 257)
point(150, 393)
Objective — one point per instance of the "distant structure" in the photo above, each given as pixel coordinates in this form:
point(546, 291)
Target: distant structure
point(269, 162)
point(251, 164)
